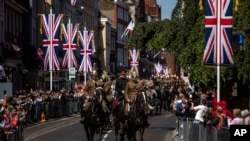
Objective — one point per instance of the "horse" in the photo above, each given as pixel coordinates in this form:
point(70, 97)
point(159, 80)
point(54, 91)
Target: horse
point(119, 119)
point(137, 116)
point(94, 121)
point(154, 99)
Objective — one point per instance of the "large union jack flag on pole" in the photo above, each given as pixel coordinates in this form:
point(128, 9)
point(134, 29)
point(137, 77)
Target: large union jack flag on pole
point(218, 32)
point(134, 57)
point(158, 68)
point(73, 2)
point(50, 25)
point(69, 45)
point(86, 51)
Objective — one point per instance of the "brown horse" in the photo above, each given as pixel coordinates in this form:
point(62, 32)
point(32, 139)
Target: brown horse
point(94, 118)
point(119, 119)
point(137, 117)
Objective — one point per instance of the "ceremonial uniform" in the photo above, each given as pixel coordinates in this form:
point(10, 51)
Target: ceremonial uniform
point(120, 84)
point(133, 87)
point(89, 92)
point(90, 89)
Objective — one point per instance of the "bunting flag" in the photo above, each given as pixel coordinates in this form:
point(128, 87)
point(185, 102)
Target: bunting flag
point(86, 51)
point(129, 29)
point(50, 24)
point(218, 33)
point(69, 45)
point(158, 68)
point(134, 56)
point(166, 71)
point(73, 2)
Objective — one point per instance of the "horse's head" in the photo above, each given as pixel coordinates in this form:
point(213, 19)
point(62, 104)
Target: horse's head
point(99, 94)
point(141, 101)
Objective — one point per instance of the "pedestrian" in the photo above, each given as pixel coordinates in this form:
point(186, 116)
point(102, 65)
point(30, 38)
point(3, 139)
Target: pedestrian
point(237, 119)
point(220, 119)
point(200, 111)
point(183, 107)
point(246, 117)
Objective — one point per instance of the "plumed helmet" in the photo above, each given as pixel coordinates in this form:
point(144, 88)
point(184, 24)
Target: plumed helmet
point(104, 75)
point(129, 76)
point(94, 72)
point(134, 74)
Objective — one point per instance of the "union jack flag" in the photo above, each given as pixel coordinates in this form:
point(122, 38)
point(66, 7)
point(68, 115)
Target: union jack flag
point(134, 56)
point(69, 45)
point(158, 68)
point(166, 71)
point(85, 41)
point(50, 24)
point(73, 2)
point(218, 28)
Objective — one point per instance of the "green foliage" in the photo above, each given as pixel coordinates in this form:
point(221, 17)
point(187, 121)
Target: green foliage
point(183, 36)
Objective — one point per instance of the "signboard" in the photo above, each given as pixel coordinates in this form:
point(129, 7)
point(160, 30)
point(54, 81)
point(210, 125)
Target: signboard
point(6, 87)
point(72, 73)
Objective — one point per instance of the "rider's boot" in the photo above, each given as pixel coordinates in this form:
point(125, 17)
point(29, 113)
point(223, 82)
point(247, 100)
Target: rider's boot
point(83, 114)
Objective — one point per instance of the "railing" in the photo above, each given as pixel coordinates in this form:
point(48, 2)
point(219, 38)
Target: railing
point(41, 112)
point(188, 130)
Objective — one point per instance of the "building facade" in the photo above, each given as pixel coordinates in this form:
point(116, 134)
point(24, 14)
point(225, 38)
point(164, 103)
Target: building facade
point(20, 37)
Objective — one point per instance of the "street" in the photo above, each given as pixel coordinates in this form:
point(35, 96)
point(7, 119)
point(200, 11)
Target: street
point(69, 129)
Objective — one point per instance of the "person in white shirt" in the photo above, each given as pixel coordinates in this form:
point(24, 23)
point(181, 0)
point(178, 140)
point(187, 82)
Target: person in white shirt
point(200, 111)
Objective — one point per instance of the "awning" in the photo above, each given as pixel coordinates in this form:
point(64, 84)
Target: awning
point(146, 62)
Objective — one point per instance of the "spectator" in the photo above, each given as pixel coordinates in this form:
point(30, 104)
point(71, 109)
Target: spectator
point(225, 110)
point(220, 119)
point(246, 117)
point(183, 108)
point(200, 111)
point(237, 120)
point(210, 118)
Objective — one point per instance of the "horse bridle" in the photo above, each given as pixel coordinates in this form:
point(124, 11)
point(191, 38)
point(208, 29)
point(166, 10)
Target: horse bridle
point(99, 88)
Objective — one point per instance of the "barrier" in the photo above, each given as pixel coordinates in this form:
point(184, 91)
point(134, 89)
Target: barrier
point(190, 130)
point(42, 111)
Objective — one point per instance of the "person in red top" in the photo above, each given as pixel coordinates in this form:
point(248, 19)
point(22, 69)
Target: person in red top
point(225, 110)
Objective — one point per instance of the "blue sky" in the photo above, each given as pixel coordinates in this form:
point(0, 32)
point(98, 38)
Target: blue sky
point(167, 7)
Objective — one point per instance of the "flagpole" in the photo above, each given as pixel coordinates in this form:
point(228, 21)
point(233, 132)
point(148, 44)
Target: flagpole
point(85, 56)
point(51, 48)
point(218, 47)
point(69, 38)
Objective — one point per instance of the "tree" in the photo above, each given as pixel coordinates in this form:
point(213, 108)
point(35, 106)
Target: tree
point(183, 36)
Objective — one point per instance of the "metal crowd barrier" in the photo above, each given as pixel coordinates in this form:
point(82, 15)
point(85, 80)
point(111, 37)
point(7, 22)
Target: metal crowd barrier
point(50, 108)
point(188, 130)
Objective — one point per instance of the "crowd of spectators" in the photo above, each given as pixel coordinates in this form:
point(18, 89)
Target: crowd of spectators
point(208, 111)
point(25, 109)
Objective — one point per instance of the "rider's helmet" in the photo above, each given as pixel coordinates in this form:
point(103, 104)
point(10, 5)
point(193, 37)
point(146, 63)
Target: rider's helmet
point(94, 74)
point(104, 75)
point(134, 74)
